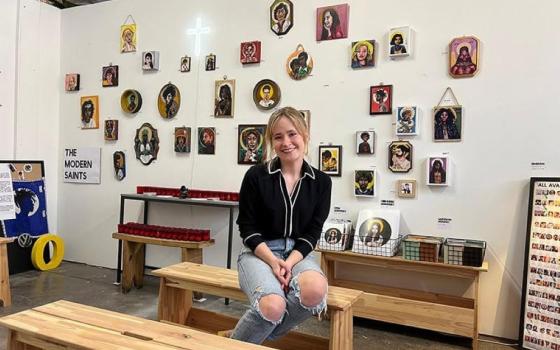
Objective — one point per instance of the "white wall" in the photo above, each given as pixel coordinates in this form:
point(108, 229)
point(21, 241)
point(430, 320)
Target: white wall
point(509, 119)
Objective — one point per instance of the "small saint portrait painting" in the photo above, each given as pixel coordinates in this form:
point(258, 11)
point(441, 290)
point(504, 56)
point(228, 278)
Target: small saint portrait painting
point(364, 183)
point(365, 141)
point(169, 101)
point(224, 98)
point(438, 171)
point(330, 160)
point(463, 56)
point(363, 54)
point(250, 52)
point(185, 64)
point(406, 188)
point(111, 131)
point(447, 123)
point(281, 16)
point(150, 60)
point(299, 63)
point(72, 82)
point(375, 232)
point(210, 63)
point(400, 42)
point(406, 121)
point(306, 114)
point(266, 94)
point(119, 163)
point(400, 156)
point(333, 235)
point(128, 38)
point(332, 22)
point(206, 140)
point(250, 146)
point(183, 140)
point(110, 76)
point(131, 101)
point(381, 99)
point(146, 144)
point(90, 112)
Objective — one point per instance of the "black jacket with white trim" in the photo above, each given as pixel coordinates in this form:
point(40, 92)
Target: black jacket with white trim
point(267, 212)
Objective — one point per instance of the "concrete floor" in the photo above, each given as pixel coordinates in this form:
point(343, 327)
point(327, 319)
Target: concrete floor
point(94, 286)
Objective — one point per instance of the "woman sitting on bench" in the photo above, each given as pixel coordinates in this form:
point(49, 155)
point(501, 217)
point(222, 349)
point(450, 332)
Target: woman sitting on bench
point(283, 205)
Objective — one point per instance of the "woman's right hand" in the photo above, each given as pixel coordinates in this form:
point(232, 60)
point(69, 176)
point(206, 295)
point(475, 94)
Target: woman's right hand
point(279, 271)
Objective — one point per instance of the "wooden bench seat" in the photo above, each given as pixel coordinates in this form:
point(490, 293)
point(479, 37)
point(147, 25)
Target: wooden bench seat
point(66, 325)
point(179, 281)
point(5, 294)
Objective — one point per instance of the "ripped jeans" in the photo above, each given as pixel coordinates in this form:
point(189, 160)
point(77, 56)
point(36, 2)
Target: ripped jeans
point(257, 280)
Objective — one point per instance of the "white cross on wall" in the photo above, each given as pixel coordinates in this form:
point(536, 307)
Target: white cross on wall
point(197, 32)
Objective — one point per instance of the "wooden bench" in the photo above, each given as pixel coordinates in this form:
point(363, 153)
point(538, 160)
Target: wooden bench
point(66, 325)
point(5, 294)
point(175, 304)
point(134, 254)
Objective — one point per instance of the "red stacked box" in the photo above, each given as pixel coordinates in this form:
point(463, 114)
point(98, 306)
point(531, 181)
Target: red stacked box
point(165, 232)
point(192, 193)
point(160, 191)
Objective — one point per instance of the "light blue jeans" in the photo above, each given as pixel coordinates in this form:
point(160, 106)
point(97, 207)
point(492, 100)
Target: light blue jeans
point(257, 280)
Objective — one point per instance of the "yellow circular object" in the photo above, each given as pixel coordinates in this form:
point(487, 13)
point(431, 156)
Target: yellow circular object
point(37, 252)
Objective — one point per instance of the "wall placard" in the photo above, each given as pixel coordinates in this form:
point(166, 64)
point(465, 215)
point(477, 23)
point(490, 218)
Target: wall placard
point(82, 165)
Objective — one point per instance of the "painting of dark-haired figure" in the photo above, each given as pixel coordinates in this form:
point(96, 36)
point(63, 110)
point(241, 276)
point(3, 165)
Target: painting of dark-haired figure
point(110, 76)
point(250, 52)
point(206, 140)
point(299, 64)
point(90, 112)
point(183, 140)
point(224, 95)
point(463, 57)
point(438, 171)
point(250, 145)
point(447, 123)
point(332, 22)
point(281, 16)
point(146, 144)
point(169, 101)
point(381, 99)
point(399, 42)
point(111, 132)
point(400, 156)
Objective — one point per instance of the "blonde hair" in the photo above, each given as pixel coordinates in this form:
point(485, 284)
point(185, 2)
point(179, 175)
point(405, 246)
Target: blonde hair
point(296, 118)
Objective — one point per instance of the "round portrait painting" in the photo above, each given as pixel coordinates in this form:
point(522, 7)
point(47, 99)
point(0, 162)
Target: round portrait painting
point(266, 94)
point(333, 235)
point(375, 232)
point(131, 101)
point(169, 101)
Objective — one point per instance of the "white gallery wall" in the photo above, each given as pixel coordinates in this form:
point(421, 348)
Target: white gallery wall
point(510, 121)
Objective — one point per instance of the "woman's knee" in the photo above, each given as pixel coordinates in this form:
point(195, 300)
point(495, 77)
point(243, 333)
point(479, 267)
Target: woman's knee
point(313, 288)
point(272, 307)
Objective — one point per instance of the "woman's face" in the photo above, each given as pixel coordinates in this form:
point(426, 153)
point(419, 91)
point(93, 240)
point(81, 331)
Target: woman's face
point(444, 116)
point(362, 53)
point(287, 142)
point(128, 36)
point(280, 14)
point(148, 59)
point(109, 76)
point(252, 141)
point(327, 19)
point(398, 40)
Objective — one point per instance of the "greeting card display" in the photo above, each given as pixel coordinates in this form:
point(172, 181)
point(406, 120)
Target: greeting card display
point(337, 235)
point(377, 232)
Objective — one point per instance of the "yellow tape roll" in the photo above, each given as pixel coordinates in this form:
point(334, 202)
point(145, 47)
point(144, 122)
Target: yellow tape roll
point(37, 252)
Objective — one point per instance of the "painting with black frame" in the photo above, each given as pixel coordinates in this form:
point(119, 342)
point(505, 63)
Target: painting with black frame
point(539, 325)
point(19, 258)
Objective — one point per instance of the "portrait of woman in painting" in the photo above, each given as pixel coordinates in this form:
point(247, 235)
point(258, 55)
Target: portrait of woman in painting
point(223, 105)
point(281, 17)
point(437, 173)
point(72, 82)
point(330, 24)
point(185, 64)
point(169, 101)
point(463, 57)
point(111, 130)
point(445, 125)
point(182, 140)
point(148, 61)
point(110, 76)
point(333, 236)
point(397, 44)
point(363, 54)
point(250, 52)
point(375, 232)
point(119, 165)
point(210, 62)
point(206, 140)
point(146, 144)
point(128, 38)
point(250, 144)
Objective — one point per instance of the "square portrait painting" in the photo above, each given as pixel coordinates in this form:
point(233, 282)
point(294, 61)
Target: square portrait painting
point(406, 188)
point(110, 76)
point(72, 82)
point(185, 64)
point(150, 60)
point(206, 140)
point(330, 160)
point(210, 62)
point(281, 16)
point(182, 140)
point(111, 131)
point(332, 22)
point(364, 183)
point(381, 99)
point(400, 42)
point(250, 144)
point(90, 112)
point(250, 52)
point(448, 123)
point(400, 156)
point(224, 98)
point(406, 121)
point(438, 171)
point(363, 54)
point(463, 56)
point(365, 141)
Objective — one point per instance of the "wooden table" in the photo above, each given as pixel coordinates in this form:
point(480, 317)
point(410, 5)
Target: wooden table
point(134, 255)
point(444, 313)
point(66, 325)
point(5, 294)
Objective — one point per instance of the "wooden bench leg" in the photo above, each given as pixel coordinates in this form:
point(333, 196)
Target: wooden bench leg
point(192, 255)
point(133, 265)
point(174, 303)
point(341, 330)
point(5, 294)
